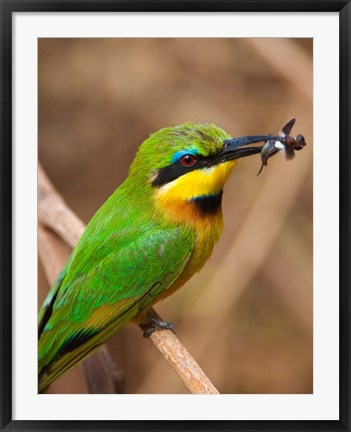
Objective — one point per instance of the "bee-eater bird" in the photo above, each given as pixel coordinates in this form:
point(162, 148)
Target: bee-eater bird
point(152, 234)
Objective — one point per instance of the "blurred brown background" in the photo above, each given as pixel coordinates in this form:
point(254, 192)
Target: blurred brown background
point(247, 316)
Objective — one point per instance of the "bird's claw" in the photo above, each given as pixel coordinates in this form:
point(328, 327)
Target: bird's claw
point(159, 325)
point(153, 322)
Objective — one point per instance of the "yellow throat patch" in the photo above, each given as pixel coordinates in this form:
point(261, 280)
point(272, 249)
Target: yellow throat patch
point(174, 198)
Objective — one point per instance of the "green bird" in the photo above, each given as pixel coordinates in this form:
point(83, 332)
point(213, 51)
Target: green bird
point(152, 234)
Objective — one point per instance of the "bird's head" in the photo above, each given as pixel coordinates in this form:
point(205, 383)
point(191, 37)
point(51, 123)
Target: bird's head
point(187, 167)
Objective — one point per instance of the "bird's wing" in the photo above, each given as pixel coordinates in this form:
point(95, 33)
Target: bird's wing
point(88, 308)
point(46, 308)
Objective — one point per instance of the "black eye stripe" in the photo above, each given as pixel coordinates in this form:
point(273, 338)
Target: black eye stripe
point(177, 169)
point(171, 172)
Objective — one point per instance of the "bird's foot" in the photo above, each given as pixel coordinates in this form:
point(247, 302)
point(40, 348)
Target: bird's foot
point(153, 322)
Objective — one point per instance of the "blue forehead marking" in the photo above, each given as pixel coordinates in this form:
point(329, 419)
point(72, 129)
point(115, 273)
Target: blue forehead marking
point(181, 153)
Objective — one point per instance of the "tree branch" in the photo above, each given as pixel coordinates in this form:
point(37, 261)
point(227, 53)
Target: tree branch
point(53, 213)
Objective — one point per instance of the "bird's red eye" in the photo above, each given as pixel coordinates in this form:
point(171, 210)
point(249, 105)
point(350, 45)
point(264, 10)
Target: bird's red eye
point(188, 160)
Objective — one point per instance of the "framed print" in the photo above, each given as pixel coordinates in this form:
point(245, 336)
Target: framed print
point(152, 105)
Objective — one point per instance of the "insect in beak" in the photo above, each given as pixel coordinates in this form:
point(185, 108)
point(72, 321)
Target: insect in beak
point(286, 143)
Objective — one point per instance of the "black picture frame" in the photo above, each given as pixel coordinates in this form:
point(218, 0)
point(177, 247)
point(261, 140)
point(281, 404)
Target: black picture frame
point(8, 7)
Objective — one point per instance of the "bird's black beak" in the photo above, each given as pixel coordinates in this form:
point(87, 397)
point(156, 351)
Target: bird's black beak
point(234, 148)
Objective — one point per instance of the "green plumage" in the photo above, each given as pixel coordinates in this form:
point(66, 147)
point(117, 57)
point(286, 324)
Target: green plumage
point(138, 266)
point(129, 254)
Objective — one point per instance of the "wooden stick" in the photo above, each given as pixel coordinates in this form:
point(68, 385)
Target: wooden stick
point(99, 365)
point(54, 214)
point(179, 358)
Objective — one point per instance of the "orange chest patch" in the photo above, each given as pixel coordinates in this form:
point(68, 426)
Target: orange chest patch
point(205, 218)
